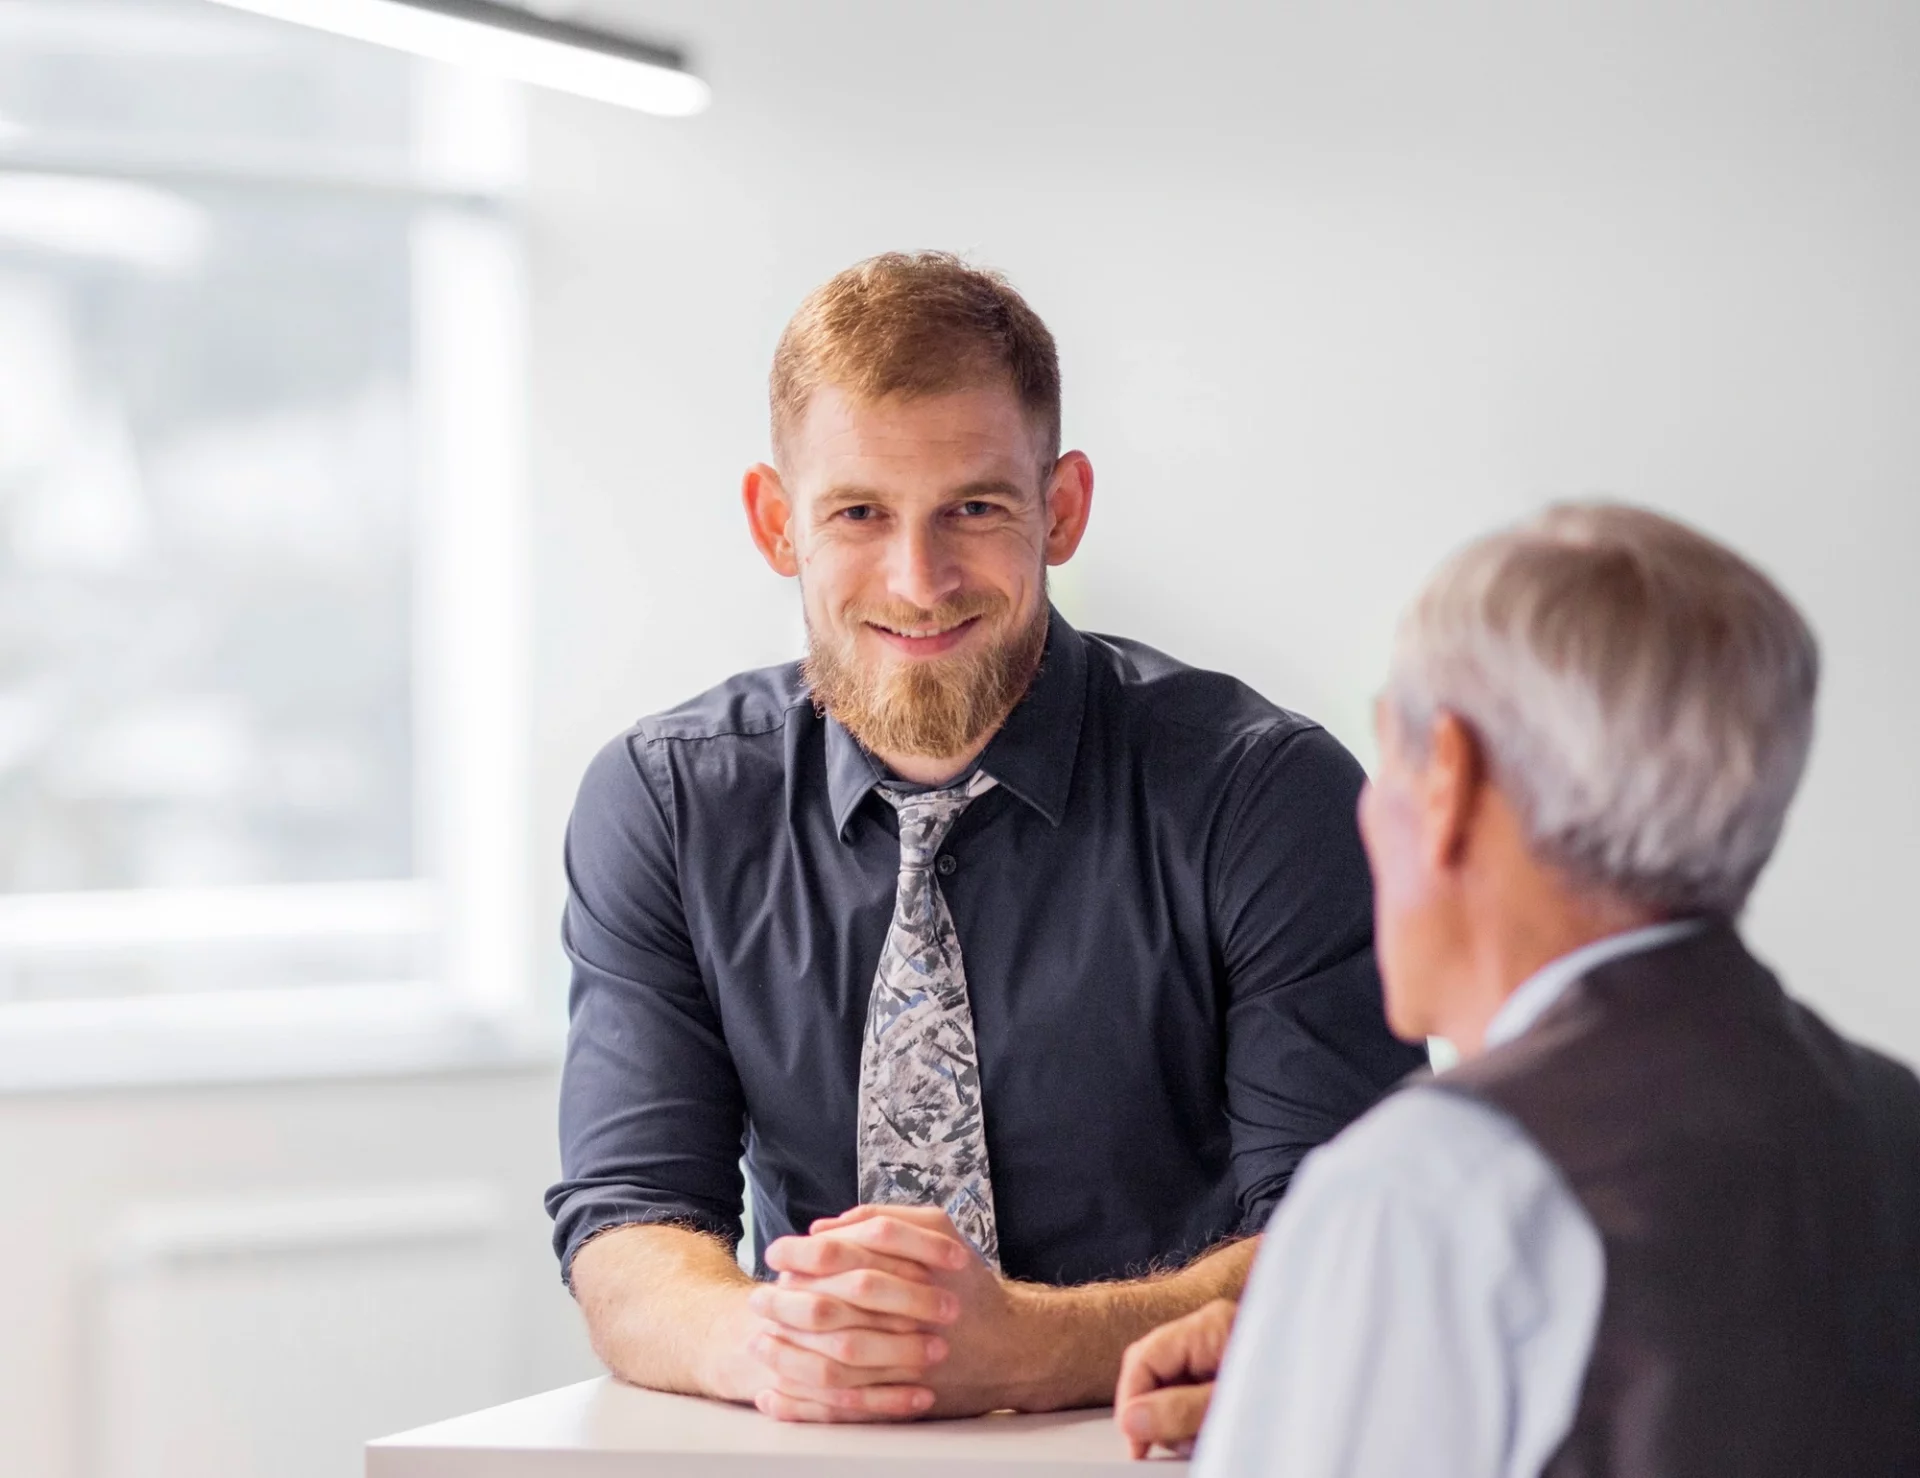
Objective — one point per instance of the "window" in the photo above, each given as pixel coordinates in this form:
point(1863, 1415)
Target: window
point(261, 614)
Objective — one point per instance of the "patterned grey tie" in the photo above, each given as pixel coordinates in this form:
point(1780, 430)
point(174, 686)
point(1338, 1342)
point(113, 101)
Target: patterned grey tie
point(922, 1140)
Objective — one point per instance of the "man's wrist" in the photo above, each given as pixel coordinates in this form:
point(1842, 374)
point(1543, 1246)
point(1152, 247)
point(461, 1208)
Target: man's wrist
point(1069, 1351)
point(1072, 1340)
point(723, 1363)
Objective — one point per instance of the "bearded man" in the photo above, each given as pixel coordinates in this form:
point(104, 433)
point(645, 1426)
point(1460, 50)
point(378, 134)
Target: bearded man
point(1023, 965)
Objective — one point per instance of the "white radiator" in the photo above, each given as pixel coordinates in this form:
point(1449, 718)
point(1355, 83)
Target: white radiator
point(270, 1338)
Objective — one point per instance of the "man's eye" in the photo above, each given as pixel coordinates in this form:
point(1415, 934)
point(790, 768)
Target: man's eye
point(977, 507)
point(859, 513)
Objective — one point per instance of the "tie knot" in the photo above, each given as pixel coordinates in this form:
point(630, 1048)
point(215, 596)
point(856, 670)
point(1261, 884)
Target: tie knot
point(927, 816)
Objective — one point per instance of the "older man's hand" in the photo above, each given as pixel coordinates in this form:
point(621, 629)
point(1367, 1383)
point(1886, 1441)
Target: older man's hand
point(1166, 1380)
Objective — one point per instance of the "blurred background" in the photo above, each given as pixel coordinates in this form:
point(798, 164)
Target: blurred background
point(370, 434)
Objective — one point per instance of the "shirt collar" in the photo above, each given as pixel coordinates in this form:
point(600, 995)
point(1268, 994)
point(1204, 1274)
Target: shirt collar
point(1032, 755)
point(1547, 984)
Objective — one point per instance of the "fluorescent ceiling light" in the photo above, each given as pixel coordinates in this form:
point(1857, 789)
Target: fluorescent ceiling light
point(492, 37)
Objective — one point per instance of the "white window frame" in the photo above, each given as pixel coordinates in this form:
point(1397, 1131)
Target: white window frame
point(471, 682)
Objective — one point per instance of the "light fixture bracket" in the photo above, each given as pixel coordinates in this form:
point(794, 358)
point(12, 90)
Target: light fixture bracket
point(504, 17)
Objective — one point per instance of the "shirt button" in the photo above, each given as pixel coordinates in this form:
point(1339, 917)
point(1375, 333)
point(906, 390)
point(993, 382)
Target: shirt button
point(946, 865)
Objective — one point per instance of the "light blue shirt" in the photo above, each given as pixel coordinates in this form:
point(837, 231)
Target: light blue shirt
point(1426, 1297)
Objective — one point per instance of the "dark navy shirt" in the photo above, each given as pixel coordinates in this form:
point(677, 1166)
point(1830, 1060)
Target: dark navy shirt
point(1165, 918)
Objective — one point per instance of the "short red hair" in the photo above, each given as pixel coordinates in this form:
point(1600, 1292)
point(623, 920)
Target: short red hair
point(913, 324)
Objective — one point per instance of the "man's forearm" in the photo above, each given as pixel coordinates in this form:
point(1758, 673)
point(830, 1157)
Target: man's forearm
point(665, 1308)
point(1078, 1335)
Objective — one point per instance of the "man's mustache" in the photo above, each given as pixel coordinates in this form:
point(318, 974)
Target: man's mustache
point(949, 613)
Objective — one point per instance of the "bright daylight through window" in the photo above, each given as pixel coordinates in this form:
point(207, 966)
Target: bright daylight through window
point(257, 500)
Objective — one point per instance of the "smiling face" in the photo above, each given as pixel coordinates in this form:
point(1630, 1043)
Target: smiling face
point(920, 529)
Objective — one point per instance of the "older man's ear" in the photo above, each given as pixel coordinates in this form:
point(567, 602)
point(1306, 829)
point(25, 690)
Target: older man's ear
point(1453, 787)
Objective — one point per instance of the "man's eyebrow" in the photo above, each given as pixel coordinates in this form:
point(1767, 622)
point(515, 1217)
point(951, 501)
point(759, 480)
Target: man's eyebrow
point(853, 492)
point(984, 486)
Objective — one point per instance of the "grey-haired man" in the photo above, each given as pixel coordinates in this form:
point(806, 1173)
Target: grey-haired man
point(1663, 1221)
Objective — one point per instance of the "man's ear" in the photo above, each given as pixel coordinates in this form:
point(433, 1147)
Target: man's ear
point(1453, 787)
point(770, 517)
point(1069, 496)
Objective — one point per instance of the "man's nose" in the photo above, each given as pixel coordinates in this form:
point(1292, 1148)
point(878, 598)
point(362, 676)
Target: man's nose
point(921, 570)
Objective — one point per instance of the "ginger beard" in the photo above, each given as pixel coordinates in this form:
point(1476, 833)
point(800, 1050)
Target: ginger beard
point(932, 706)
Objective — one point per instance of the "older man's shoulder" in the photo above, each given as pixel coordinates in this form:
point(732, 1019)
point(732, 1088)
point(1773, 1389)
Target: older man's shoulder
point(1431, 1146)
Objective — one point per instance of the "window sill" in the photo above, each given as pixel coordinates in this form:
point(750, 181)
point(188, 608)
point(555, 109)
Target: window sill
point(265, 1036)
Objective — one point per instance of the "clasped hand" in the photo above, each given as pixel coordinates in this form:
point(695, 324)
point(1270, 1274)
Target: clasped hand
point(881, 1314)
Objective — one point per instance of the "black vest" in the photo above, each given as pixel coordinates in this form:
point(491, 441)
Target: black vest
point(1755, 1180)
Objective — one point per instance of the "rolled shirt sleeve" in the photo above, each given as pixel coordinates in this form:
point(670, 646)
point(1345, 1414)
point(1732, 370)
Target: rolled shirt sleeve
point(1307, 1048)
point(651, 1111)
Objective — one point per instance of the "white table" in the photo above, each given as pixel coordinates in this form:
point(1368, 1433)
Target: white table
point(601, 1428)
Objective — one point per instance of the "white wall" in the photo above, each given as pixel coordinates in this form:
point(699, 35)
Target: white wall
point(203, 1280)
point(1337, 286)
